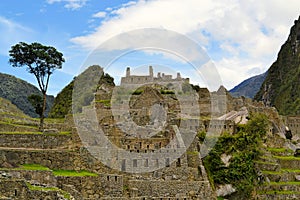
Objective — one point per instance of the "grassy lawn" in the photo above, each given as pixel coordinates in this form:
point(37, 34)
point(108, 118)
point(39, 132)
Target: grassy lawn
point(18, 125)
point(265, 163)
point(287, 157)
point(279, 150)
point(36, 133)
point(291, 170)
point(34, 167)
point(285, 183)
point(21, 133)
point(73, 173)
point(273, 172)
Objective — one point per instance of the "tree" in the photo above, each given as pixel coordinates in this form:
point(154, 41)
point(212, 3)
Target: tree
point(41, 61)
point(37, 103)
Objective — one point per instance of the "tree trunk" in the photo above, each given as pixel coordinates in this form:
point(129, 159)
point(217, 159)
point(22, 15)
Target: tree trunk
point(43, 111)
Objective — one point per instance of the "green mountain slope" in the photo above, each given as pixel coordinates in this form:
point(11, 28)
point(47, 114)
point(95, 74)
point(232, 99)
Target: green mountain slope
point(17, 90)
point(281, 87)
point(6, 107)
point(84, 85)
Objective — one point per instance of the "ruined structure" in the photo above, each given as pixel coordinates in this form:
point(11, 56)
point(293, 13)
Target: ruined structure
point(130, 79)
point(156, 152)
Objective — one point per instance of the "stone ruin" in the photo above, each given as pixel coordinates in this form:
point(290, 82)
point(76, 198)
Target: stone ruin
point(166, 161)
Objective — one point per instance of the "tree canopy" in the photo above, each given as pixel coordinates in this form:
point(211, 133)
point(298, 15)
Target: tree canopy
point(40, 61)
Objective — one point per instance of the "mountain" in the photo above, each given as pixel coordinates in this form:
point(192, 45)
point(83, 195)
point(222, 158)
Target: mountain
point(84, 85)
point(281, 87)
point(63, 102)
point(249, 87)
point(6, 107)
point(17, 90)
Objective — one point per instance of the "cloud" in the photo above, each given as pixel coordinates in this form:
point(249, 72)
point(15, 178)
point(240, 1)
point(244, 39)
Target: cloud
point(11, 33)
point(100, 14)
point(70, 4)
point(238, 35)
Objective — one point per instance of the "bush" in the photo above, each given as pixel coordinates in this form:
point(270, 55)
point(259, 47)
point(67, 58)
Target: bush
point(244, 149)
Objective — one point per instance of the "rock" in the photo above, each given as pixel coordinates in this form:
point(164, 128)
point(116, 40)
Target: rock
point(225, 190)
point(49, 131)
point(297, 177)
point(225, 158)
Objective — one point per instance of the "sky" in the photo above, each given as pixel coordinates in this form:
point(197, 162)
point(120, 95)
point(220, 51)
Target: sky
point(239, 39)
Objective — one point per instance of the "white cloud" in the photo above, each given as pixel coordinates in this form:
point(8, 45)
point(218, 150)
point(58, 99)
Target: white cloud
point(100, 14)
point(70, 4)
point(11, 33)
point(245, 34)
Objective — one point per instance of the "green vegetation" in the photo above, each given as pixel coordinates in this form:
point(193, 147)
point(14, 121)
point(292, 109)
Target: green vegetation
point(22, 133)
point(279, 150)
point(37, 103)
point(282, 83)
point(40, 188)
point(106, 102)
point(84, 86)
point(34, 167)
point(19, 125)
point(287, 157)
point(73, 173)
point(274, 192)
point(63, 102)
point(192, 153)
point(291, 170)
point(201, 136)
point(244, 147)
point(41, 61)
point(107, 79)
point(273, 172)
point(138, 92)
point(285, 183)
point(17, 91)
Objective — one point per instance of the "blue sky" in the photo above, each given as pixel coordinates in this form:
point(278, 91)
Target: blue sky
point(241, 38)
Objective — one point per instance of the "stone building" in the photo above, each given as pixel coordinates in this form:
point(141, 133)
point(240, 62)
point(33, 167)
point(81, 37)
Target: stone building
point(161, 77)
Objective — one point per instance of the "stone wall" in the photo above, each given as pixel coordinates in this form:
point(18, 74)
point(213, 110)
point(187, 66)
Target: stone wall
point(38, 141)
point(17, 189)
point(54, 159)
point(293, 123)
point(91, 187)
point(33, 176)
point(170, 188)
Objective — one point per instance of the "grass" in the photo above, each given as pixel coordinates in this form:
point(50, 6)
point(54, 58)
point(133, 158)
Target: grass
point(106, 102)
point(287, 157)
point(73, 173)
point(40, 188)
point(192, 153)
point(36, 133)
point(18, 125)
point(21, 133)
point(282, 171)
point(279, 150)
point(34, 167)
point(285, 183)
point(278, 192)
point(265, 163)
point(291, 170)
point(273, 172)
point(56, 172)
